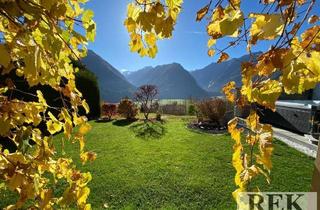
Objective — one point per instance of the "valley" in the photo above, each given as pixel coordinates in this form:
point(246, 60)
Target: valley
point(173, 80)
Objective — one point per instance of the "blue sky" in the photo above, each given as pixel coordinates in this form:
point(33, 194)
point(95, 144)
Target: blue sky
point(187, 47)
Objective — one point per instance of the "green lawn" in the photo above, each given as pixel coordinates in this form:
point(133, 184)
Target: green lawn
point(174, 168)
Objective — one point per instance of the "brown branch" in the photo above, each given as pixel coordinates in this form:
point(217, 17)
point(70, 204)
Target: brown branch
point(301, 23)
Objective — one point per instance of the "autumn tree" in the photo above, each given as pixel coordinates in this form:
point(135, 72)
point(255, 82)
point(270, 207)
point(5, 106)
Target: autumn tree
point(145, 95)
point(108, 110)
point(290, 65)
point(38, 40)
point(127, 109)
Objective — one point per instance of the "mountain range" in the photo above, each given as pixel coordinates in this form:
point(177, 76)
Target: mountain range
point(213, 77)
point(173, 81)
point(112, 84)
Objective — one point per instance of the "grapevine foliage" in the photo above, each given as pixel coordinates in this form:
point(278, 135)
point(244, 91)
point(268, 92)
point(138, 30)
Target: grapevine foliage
point(148, 21)
point(38, 40)
point(291, 65)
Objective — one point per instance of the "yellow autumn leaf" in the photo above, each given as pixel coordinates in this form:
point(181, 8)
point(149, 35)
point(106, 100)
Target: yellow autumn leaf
point(84, 128)
point(227, 26)
point(313, 19)
point(16, 181)
point(81, 140)
point(310, 39)
point(265, 158)
point(88, 24)
point(249, 173)
point(312, 63)
point(237, 157)
point(133, 11)
point(41, 98)
point(53, 124)
point(174, 8)
point(85, 179)
point(223, 57)
point(270, 61)
point(166, 27)
point(78, 120)
point(67, 125)
point(130, 25)
point(267, 93)
point(265, 147)
point(87, 156)
point(211, 52)
point(3, 90)
point(150, 39)
point(144, 21)
point(237, 162)
point(266, 26)
point(251, 139)
point(85, 106)
point(234, 131)
point(158, 8)
point(82, 196)
point(252, 121)
point(87, 207)
point(300, 74)
point(229, 90)
point(152, 52)
point(285, 2)
point(211, 42)
point(202, 12)
point(143, 52)
point(5, 56)
point(46, 196)
point(248, 70)
point(136, 43)
point(235, 3)
point(218, 13)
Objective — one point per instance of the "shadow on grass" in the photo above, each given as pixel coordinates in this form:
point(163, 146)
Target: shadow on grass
point(148, 130)
point(124, 122)
point(103, 120)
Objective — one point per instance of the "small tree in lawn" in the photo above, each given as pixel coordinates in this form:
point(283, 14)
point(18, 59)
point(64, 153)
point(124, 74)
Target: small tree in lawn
point(108, 110)
point(145, 95)
point(127, 109)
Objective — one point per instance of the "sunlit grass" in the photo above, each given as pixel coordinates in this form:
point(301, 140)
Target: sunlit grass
point(176, 169)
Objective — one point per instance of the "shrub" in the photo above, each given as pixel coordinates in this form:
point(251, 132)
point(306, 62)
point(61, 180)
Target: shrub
point(174, 109)
point(127, 109)
point(158, 116)
point(212, 110)
point(87, 84)
point(155, 107)
point(108, 110)
point(191, 109)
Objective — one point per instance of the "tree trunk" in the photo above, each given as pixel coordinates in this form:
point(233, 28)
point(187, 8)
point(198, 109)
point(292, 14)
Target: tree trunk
point(316, 177)
point(146, 115)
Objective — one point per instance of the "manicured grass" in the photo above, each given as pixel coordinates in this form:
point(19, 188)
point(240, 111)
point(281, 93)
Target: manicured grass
point(175, 168)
